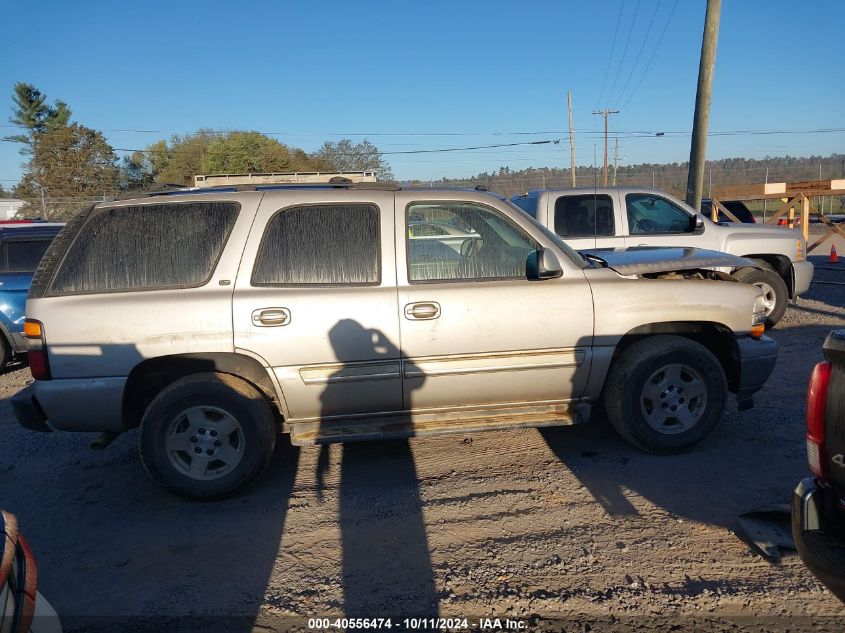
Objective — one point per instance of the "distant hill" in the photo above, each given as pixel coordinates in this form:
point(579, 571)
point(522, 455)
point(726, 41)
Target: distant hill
point(670, 177)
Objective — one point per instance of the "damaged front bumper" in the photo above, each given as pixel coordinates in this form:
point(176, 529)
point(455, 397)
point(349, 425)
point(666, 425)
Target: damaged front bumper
point(757, 358)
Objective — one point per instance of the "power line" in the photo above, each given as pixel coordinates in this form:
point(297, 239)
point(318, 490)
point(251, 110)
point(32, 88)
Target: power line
point(639, 52)
point(653, 53)
point(612, 48)
point(625, 50)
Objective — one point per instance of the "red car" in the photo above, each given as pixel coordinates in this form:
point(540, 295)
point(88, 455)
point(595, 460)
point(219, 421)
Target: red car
point(22, 608)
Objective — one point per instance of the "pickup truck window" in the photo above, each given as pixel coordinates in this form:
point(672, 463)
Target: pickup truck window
point(584, 216)
point(478, 244)
point(320, 245)
point(652, 214)
point(22, 256)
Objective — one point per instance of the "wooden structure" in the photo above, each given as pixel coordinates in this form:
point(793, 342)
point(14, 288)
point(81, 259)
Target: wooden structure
point(793, 196)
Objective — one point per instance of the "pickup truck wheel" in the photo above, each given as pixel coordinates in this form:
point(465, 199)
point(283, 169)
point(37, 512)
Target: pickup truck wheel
point(665, 393)
point(774, 289)
point(207, 435)
point(5, 353)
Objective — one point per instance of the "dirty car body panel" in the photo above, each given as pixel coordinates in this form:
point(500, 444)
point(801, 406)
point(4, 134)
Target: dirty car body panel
point(422, 340)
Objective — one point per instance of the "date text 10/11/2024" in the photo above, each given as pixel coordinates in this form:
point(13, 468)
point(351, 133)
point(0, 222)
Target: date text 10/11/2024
point(435, 624)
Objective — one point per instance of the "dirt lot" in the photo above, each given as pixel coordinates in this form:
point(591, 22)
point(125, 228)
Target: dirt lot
point(564, 523)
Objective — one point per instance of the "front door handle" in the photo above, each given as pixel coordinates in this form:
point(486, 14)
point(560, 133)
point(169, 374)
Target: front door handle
point(422, 311)
point(270, 317)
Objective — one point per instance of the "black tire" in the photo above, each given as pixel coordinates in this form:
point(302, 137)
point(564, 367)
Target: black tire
point(767, 279)
point(626, 403)
point(5, 353)
point(226, 398)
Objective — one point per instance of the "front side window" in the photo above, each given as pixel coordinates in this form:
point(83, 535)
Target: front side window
point(22, 256)
point(652, 214)
point(478, 244)
point(320, 245)
point(584, 216)
point(146, 247)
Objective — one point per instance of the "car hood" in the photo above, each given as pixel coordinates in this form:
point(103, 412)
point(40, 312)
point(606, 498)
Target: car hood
point(639, 260)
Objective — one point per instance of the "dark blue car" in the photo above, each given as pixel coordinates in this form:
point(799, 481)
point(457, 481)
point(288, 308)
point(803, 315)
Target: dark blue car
point(21, 247)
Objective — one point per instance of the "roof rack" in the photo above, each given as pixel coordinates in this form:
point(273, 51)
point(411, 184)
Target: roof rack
point(178, 190)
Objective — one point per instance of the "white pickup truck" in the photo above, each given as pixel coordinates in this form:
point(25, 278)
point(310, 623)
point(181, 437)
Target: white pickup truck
point(624, 217)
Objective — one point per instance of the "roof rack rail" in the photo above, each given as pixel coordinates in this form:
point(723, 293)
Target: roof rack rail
point(175, 190)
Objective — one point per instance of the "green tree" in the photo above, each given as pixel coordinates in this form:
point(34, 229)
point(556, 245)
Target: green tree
point(344, 155)
point(136, 172)
point(4, 193)
point(71, 165)
point(246, 152)
point(208, 152)
point(32, 113)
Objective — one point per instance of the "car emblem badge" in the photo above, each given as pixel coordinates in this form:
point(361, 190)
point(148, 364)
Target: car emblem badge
point(839, 460)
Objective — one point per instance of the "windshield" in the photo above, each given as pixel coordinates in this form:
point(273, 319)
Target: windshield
point(573, 255)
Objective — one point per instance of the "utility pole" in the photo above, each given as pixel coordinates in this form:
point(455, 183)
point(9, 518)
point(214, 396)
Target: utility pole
point(571, 142)
point(706, 66)
point(43, 205)
point(615, 161)
point(605, 113)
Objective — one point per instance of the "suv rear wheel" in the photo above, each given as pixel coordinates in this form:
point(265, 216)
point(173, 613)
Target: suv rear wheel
point(665, 393)
point(207, 435)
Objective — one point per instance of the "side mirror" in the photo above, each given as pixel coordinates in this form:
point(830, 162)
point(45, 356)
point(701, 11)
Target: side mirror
point(546, 265)
point(697, 224)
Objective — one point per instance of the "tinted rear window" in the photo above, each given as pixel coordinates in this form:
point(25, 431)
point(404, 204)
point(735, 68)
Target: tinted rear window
point(22, 256)
point(154, 246)
point(584, 216)
point(320, 245)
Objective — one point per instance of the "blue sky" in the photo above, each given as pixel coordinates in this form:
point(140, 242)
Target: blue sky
point(463, 73)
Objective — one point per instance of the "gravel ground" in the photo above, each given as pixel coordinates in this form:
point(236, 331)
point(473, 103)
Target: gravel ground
point(566, 523)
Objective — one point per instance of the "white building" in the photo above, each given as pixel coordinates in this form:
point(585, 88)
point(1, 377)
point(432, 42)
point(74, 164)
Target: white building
point(9, 207)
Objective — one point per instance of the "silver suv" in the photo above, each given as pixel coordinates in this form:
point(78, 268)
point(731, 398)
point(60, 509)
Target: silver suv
point(216, 319)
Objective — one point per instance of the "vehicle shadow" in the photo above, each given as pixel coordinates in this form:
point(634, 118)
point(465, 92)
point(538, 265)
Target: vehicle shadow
point(752, 459)
point(116, 552)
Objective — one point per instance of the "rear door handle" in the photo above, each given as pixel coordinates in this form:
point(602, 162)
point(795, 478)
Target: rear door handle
point(270, 317)
point(422, 311)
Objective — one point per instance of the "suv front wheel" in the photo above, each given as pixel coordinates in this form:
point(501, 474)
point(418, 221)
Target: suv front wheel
point(665, 393)
point(207, 435)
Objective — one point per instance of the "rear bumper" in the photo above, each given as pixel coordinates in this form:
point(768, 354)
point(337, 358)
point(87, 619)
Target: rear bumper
point(803, 272)
point(820, 544)
point(67, 404)
point(29, 413)
point(757, 358)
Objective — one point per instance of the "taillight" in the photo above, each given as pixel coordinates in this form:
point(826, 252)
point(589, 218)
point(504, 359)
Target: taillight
point(39, 363)
point(816, 396)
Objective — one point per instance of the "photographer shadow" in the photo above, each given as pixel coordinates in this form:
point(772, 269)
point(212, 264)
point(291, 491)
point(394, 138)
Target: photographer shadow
point(386, 562)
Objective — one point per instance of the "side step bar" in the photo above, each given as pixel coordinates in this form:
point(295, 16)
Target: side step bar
point(312, 432)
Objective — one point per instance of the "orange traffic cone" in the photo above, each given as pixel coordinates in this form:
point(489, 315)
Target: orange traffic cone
point(834, 258)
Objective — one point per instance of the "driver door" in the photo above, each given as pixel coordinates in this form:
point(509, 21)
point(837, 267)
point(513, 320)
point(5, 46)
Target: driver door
point(656, 221)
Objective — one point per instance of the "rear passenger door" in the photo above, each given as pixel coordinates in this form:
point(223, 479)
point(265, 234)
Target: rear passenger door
point(585, 220)
point(316, 299)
